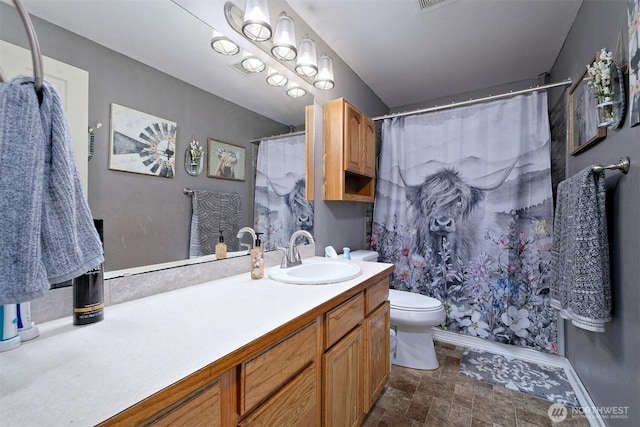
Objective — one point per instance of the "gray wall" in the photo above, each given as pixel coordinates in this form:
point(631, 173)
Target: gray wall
point(146, 218)
point(608, 363)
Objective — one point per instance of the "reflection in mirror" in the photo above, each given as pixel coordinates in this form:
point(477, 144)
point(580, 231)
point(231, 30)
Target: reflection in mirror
point(174, 75)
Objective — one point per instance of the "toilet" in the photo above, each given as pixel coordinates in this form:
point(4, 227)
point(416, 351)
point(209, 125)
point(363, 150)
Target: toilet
point(412, 317)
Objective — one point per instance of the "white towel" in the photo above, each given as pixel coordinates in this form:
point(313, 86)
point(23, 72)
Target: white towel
point(46, 228)
point(580, 282)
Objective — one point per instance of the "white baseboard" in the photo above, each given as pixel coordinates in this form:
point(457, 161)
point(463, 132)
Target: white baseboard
point(528, 355)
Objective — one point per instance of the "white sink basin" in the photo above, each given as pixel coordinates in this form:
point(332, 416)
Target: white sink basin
point(317, 272)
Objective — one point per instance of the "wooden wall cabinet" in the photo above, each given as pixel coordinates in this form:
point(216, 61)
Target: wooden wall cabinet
point(349, 163)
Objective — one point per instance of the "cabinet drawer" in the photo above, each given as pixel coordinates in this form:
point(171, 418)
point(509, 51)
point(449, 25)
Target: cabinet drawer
point(295, 405)
point(377, 294)
point(202, 410)
point(342, 319)
point(268, 371)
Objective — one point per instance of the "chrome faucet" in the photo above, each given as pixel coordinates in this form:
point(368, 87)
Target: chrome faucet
point(291, 256)
point(253, 237)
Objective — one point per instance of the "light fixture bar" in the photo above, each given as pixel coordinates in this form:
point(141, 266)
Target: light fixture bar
point(274, 78)
point(307, 64)
point(284, 40)
point(294, 90)
point(251, 63)
point(324, 78)
point(221, 44)
point(256, 25)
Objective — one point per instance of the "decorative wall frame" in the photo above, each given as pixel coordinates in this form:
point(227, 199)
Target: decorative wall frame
point(583, 117)
point(225, 161)
point(634, 61)
point(141, 143)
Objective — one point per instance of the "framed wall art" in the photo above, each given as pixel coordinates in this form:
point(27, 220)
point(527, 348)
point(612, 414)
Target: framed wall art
point(583, 117)
point(225, 161)
point(141, 143)
point(634, 61)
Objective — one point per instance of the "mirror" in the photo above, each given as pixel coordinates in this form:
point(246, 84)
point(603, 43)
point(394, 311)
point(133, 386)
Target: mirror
point(175, 75)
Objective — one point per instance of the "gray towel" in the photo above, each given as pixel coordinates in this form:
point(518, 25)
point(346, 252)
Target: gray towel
point(580, 282)
point(212, 212)
point(47, 230)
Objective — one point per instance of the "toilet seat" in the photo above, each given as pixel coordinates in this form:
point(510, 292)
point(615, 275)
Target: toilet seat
point(411, 301)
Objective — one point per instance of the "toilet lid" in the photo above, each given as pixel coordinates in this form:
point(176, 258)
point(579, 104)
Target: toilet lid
point(412, 301)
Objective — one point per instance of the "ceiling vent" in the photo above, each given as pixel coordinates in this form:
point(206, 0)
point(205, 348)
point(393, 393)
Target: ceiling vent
point(426, 4)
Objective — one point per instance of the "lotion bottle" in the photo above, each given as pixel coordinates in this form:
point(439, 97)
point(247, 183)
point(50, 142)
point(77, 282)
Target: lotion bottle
point(221, 247)
point(257, 259)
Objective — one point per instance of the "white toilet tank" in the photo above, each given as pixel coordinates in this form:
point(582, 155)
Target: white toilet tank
point(364, 255)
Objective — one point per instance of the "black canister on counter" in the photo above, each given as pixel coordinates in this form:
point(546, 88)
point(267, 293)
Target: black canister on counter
point(88, 292)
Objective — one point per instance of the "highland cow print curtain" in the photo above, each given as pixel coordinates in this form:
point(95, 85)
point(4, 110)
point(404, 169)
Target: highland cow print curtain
point(463, 208)
point(280, 206)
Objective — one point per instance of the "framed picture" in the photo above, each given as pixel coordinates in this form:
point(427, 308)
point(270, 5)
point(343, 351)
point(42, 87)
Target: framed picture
point(634, 61)
point(141, 143)
point(583, 116)
point(225, 161)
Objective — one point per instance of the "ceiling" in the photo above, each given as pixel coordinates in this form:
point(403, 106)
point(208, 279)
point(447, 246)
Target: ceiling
point(408, 55)
point(404, 54)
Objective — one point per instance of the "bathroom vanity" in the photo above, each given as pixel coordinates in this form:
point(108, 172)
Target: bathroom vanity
point(229, 352)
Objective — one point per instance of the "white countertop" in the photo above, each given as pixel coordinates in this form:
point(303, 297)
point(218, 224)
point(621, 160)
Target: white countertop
point(82, 375)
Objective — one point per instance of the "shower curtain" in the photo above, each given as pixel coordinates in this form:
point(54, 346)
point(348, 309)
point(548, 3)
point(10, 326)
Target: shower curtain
point(463, 208)
point(280, 205)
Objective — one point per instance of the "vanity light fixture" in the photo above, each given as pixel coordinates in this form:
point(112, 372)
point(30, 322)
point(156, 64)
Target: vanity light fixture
point(324, 78)
point(274, 78)
point(256, 25)
point(307, 64)
point(251, 63)
point(294, 90)
point(284, 39)
point(222, 44)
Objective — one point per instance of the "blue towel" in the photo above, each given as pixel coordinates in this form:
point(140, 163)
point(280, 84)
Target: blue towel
point(46, 227)
point(580, 282)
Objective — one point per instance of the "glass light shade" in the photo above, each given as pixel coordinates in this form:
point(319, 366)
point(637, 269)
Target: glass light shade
point(324, 78)
point(256, 25)
point(295, 91)
point(284, 39)
point(251, 63)
point(274, 78)
point(222, 44)
point(307, 64)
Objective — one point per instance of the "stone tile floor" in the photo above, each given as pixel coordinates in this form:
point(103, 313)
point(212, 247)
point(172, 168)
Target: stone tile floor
point(443, 398)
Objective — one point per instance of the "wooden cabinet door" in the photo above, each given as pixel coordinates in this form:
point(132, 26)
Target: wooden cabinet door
point(368, 148)
point(294, 405)
point(352, 139)
point(376, 367)
point(342, 382)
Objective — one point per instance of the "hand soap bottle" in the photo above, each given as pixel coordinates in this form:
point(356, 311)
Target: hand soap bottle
point(257, 259)
point(221, 247)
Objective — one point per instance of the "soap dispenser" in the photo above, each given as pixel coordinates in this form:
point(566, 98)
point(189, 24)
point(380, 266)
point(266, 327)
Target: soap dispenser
point(221, 247)
point(257, 259)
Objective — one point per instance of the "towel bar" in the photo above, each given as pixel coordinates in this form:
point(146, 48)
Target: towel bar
point(623, 165)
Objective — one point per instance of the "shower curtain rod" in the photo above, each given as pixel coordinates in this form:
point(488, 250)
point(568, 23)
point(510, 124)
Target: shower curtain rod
point(473, 101)
point(301, 132)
